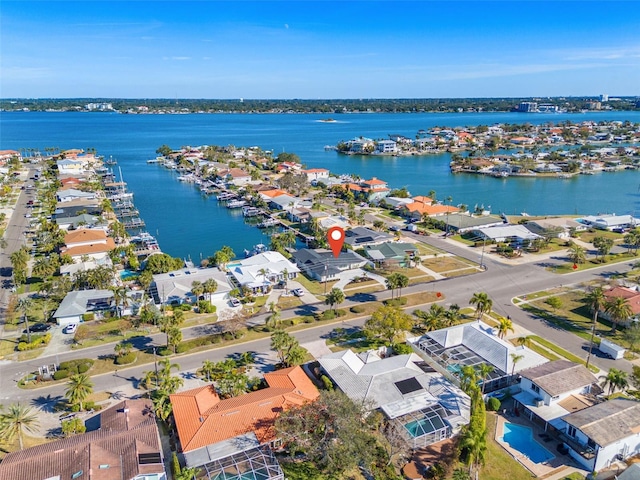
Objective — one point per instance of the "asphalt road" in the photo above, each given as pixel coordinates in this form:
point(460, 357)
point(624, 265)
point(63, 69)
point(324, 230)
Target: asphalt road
point(500, 281)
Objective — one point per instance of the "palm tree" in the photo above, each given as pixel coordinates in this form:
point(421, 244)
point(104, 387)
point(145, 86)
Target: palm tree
point(484, 369)
point(432, 319)
point(482, 302)
point(207, 370)
point(285, 278)
point(618, 309)
point(24, 304)
point(334, 297)
point(595, 299)
point(577, 254)
point(15, 421)
point(515, 358)
point(274, 318)
point(452, 315)
point(197, 288)
point(468, 378)
point(615, 380)
point(210, 287)
point(79, 388)
point(504, 326)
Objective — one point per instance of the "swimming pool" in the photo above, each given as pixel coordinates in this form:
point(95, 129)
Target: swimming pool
point(128, 274)
point(521, 438)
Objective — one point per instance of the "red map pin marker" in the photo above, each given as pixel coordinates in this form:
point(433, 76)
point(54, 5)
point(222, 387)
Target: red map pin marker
point(335, 237)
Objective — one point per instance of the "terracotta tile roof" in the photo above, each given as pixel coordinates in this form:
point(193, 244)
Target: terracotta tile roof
point(85, 235)
point(633, 297)
point(273, 193)
point(91, 248)
point(315, 170)
point(423, 199)
point(425, 209)
point(110, 451)
point(203, 419)
point(374, 181)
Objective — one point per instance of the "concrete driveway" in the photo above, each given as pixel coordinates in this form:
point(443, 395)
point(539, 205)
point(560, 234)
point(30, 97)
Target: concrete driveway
point(348, 275)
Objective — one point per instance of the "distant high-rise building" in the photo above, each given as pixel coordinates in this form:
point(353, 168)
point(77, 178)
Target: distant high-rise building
point(604, 97)
point(528, 107)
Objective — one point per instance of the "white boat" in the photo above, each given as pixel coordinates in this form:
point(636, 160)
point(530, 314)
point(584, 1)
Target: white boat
point(236, 204)
point(269, 222)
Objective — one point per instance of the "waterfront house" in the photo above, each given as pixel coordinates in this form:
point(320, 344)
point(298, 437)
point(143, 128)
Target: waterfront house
point(121, 442)
point(327, 222)
point(372, 190)
point(175, 287)
point(268, 193)
point(68, 195)
point(426, 407)
point(260, 273)
point(235, 176)
point(292, 167)
point(6, 155)
point(361, 145)
point(70, 182)
point(513, 234)
point(553, 390)
point(385, 147)
point(315, 174)
point(91, 242)
point(72, 223)
point(396, 202)
point(358, 237)
point(418, 209)
point(602, 434)
point(235, 434)
point(78, 207)
point(77, 303)
point(320, 264)
point(284, 202)
point(471, 344)
point(392, 253)
point(560, 227)
point(462, 222)
point(610, 222)
point(70, 167)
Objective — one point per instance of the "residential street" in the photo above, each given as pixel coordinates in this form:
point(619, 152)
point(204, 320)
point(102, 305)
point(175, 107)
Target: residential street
point(502, 281)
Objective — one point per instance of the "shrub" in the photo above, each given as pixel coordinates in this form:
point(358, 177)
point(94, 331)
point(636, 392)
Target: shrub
point(287, 323)
point(326, 381)
point(357, 309)
point(36, 341)
point(401, 349)
point(120, 360)
point(205, 307)
point(60, 374)
point(87, 317)
point(396, 302)
point(84, 368)
point(73, 366)
point(328, 315)
point(493, 404)
point(309, 319)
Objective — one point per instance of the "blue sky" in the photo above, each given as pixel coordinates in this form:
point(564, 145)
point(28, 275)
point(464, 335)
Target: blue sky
point(324, 49)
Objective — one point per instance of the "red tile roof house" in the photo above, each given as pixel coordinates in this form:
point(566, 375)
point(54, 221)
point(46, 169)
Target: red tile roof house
point(121, 443)
point(88, 241)
point(218, 434)
point(633, 299)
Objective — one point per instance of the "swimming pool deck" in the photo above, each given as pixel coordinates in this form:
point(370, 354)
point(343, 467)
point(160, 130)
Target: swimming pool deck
point(557, 467)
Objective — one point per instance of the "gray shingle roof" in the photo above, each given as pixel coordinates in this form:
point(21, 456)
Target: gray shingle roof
point(608, 422)
point(559, 376)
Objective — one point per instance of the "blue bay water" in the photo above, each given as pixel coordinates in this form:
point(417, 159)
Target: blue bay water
point(190, 225)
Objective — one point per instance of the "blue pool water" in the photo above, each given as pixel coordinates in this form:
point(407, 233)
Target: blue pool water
point(521, 438)
point(128, 274)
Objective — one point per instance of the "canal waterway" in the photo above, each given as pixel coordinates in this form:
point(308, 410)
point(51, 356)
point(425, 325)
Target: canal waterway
point(188, 224)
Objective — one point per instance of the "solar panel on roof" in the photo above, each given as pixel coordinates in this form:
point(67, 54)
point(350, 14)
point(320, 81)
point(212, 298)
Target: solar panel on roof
point(409, 385)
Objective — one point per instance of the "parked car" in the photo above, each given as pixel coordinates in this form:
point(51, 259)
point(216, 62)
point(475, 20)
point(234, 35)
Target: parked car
point(71, 328)
point(298, 292)
point(38, 328)
point(394, 228)
point(234, 302)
